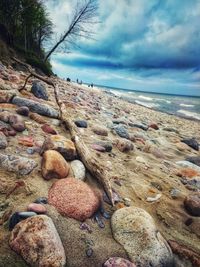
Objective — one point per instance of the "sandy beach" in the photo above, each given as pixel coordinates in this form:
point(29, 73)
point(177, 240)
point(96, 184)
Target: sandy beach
point(140, 149)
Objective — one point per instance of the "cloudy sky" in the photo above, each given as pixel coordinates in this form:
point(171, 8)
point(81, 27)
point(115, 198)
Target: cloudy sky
point(148, 45)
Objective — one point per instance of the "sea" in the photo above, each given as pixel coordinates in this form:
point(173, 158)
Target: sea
point(183, 106)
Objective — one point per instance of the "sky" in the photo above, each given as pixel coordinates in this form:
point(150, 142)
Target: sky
point(147, 45)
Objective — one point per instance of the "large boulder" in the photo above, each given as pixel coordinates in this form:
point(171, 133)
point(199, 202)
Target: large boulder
point(61, 144)
point(37, 241)
point(73, 198)
point(135, 230)
point(54, 165)
point(19, 165)
point(39, 90)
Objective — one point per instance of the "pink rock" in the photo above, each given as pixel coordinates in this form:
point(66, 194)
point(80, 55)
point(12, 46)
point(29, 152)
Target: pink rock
point(37, 241)
point(48, 129)
point(73, 198)
point(38, 208)
point(118, 262)
point(98, 148)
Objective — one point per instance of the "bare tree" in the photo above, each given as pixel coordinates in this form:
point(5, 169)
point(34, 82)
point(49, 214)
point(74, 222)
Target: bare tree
point(83, 17)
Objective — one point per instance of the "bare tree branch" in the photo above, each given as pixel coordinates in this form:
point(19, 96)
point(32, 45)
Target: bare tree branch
point(84, 16)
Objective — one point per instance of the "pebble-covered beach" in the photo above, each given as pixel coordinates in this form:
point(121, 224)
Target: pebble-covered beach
point(130, 197)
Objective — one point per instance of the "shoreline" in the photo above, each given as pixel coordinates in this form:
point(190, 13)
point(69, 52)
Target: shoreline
point(151, 108)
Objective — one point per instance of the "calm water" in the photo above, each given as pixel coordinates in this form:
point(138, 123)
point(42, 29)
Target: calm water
point(188, 107)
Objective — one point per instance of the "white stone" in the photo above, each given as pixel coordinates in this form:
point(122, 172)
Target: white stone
point(78, 169)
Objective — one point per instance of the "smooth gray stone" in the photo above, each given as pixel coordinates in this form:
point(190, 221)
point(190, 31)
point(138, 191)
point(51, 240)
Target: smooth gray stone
point(34, 106)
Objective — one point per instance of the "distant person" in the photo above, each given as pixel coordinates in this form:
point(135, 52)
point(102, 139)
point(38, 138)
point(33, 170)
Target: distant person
point(77, 80)
point(68, 79)
point(92, 85)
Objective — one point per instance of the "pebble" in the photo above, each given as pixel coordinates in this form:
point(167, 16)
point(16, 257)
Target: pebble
point(141, 160)
point(98, 148)
point(26, 141)
point(36, 117)
point(4, 116)
point(61, 144)
point(19, 165)
point(37, 208)
point(140, 126)
point(175, 193)
point(24, 111)
point(118, 262)
point(39, 90)
point(48, 129)
point(153, 126)
point(99, 130)
point(192, 204)
point(107, 145)
point(54, 165)
point(34, 106)
point(153, 199)
point(192, 143)
point(3, 141)
point(19, 216)
point(78, 169)
point(98, 219)
point(121, 131)
point(41, 200)
point(135, 230)
point(37, 241)
point(124, 145)
point(73, 198)
point(81, 123)
point(194, 160)
point(17, 122)
point(89, 252)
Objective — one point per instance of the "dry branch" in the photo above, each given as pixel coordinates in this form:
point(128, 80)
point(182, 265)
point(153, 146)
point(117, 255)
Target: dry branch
point(92, 164)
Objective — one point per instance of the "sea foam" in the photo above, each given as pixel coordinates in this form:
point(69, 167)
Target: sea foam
point(186, 105)
point(189, 114)
point(148, 105)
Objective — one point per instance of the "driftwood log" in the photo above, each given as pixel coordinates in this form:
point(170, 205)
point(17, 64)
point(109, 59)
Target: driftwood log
point(93, 165)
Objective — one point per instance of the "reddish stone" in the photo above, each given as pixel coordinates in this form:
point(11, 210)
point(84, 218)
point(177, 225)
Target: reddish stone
point(98, 148)
point(37, 241)
point(187, 172)
point(154, 126)
point(38, 208)
point(48, 129)
point(73, 198)
point(26, 141)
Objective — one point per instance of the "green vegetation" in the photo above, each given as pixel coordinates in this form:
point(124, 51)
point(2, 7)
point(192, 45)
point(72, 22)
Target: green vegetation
point(25, 26)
